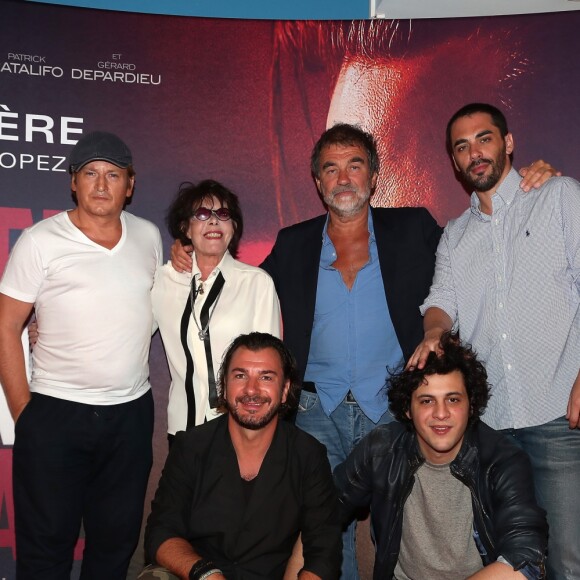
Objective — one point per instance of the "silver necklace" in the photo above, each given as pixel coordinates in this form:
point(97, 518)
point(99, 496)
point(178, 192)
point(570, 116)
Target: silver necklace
point(203, 333)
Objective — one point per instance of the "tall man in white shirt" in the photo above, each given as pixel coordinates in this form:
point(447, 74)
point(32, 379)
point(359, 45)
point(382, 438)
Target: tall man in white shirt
point(507, 276)
point(82, 450)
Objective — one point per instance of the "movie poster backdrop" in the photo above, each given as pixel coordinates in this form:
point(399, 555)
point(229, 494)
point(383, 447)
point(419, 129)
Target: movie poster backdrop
point(243, 101)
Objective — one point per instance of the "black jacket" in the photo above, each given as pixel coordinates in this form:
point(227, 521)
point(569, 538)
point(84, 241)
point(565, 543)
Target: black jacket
point(407, 238)
point(201, 498)
point(380, 473)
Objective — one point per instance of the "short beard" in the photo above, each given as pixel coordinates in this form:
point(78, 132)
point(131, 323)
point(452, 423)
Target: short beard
point(352, 208)
point(250, 421)
point(485, 183)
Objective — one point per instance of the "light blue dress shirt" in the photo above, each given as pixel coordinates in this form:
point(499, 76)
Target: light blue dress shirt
point(353, 345)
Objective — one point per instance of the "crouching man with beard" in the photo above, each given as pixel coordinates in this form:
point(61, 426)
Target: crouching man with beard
point(236, 492)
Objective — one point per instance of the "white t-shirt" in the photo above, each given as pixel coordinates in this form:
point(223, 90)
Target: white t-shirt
point(93, 307)
point(248, 302)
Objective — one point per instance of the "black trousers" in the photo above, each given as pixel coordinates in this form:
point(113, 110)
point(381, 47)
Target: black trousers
point(71, 463)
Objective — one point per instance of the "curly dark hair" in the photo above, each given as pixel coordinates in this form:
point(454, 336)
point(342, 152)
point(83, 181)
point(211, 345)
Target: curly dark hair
point(255, 341)
point(345, 134)
point(455, 356)
point(190, 196)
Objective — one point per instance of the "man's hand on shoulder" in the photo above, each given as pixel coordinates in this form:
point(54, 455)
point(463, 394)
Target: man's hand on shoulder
point(573, 410)
point(536, 174)
point(181, 257)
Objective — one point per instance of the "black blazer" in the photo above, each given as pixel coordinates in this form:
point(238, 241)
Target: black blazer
point(201, 498)
point(406, 238)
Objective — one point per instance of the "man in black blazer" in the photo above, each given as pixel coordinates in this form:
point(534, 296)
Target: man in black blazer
point(406, 241)
point(236, 492)
point(350, 285)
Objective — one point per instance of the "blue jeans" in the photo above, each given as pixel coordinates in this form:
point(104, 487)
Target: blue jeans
point(340, 433)
point(554, 451)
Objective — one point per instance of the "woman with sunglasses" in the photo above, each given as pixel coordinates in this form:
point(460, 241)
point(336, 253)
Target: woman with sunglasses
point(201, 312)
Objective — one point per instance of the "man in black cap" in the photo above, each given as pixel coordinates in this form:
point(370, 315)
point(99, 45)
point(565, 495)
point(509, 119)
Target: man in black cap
point(84, 421)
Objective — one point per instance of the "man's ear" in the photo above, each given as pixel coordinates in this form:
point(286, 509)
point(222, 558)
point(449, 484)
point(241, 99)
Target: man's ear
point(285, 391)
point(509, 143)
point(130, 187)
point(317, 181)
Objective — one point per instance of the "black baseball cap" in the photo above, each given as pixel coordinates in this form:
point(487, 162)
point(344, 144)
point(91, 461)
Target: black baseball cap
point(99, 146)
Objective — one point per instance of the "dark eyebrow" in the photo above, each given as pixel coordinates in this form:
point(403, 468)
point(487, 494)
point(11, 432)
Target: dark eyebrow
point(481, 134)
point(328, 164)
point(446, 394)
point(356, 159)
point(261, 372)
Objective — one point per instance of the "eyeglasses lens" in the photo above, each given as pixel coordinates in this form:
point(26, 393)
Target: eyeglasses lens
point(203, 214)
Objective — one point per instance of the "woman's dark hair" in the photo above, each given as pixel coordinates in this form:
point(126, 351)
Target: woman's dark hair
point(454, 356)
point(190, 197)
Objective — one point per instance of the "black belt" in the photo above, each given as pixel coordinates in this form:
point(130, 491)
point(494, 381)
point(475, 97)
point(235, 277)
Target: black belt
point(310, 387)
